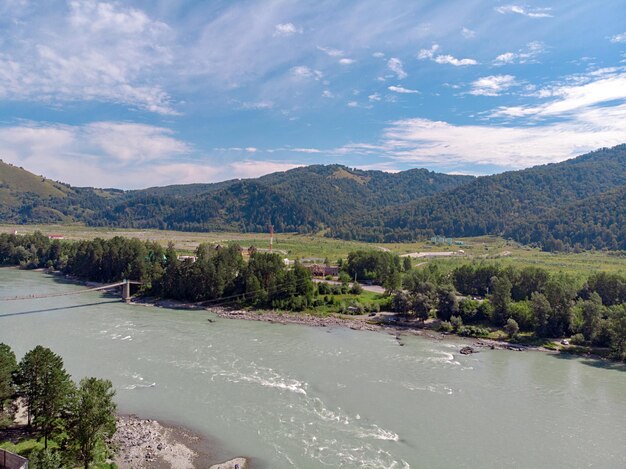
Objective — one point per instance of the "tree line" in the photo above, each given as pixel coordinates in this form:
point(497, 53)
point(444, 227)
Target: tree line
point(74, 420)
point(215, 273)
point(527, 299)
point(472, 296)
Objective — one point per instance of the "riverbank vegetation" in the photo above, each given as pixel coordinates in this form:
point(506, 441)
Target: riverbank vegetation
point(474, 298)
point(67, 424)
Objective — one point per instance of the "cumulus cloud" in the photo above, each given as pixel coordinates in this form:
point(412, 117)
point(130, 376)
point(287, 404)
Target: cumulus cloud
point(331, 52)
point(402, 90)
point(395, 65)
point(346, 61)
point(576, 118)
point(101, 154)
point(508, 147)
point(618, 38)
point(524, 11)
point(118, 48)
point(256, 168)
point(525, 55)
point(468, 33)
point(424, 54)
point(302, 71)
point(286, 29)
point(492, 85)
point(428, 53)
point(448, 59)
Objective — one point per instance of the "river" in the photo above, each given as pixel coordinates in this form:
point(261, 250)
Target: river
point(297, 396)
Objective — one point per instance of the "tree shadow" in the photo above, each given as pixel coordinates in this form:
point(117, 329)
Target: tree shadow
point(602, 363)
point(45, 310)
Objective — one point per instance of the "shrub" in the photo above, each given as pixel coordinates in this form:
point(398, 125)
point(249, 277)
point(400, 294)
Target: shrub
point(511, 327)
point(578, 339)
point(473, 331)
point(456, 322)
point(445, 326)
point(356, 288)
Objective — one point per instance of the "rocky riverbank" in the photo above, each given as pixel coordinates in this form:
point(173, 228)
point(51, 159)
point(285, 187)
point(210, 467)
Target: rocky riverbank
point(146, 443)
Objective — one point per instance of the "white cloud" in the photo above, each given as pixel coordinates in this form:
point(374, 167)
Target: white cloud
point(395, 65)
point(378, 55)
point(492, 85)
point(428, 53)
point(327, 94)
point(255, 168)
point(506, 58)
point(440, 143)
point(302, 71)
point(424, 54)
point(353, 104)
point(468, 33)
point(263, 104)
point(286, 29)
point(618, 38)
point(304, 150)
point(402, 90)
point(525, 11)
point(576, 119)
point(346, 61)
point(448, 59)
point(598, 88)
point(374, 97)
point(525, 55)
point(331, 52)
point(112, 61)
point(100, 154)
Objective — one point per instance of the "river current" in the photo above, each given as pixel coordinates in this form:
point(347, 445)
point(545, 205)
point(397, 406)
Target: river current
point(305, 397)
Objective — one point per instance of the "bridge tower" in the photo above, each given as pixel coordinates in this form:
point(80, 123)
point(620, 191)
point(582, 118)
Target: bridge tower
point(126, 291)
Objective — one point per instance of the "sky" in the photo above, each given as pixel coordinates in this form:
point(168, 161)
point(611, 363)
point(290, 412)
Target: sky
point(133, 94)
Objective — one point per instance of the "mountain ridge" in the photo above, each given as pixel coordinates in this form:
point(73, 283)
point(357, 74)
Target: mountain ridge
point(356, 204)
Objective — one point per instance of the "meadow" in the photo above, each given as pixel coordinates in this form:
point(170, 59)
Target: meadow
point(306, 246)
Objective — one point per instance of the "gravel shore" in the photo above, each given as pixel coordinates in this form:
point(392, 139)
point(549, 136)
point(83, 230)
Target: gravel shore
point(146, 443)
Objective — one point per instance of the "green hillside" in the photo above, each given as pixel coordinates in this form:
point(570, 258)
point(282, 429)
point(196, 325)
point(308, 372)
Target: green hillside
point(496, 204)
point(17, 183)
point(578, 203)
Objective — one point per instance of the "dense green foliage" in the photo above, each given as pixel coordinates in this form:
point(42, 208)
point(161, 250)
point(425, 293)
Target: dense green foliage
point(577, 204)
point(77, 420)
point(91, 418)
point(216, 273)
point(528, 300)
point(8, 366)
point(525, 205)
point(46, 387)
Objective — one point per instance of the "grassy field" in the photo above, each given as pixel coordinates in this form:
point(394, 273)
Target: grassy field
point(299, 246)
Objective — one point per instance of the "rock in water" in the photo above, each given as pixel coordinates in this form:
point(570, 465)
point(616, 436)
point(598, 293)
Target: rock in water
point(467, 351)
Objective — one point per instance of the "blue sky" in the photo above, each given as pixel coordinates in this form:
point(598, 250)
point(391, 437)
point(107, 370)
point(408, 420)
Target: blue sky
point(155, 92)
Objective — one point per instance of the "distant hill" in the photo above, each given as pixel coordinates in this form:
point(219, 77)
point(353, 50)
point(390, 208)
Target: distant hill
point(500, 204)
point(595, 222)
point(303, 199)
point(576, 203)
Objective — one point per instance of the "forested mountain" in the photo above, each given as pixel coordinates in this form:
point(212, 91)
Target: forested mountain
point(598, 221)
point(579, 202)
point(302, 199)
point(508, 203)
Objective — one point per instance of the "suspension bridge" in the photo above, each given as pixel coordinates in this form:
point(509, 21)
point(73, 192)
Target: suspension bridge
point(125, 284)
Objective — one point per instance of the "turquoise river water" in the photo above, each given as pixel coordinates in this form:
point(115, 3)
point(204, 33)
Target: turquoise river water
point(297, 396)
